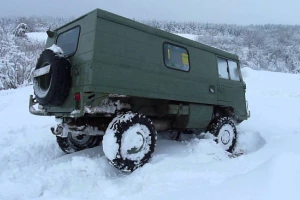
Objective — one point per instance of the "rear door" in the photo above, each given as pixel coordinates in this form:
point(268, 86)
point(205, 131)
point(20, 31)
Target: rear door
point(231, 88)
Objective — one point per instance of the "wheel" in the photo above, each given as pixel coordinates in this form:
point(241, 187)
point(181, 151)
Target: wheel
point(77, 142)
point(224, 129)
point(52, 89)
point(129, 141)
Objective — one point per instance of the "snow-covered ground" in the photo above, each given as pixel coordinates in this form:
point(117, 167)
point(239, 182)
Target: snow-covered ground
point(39, 36)
point(188, 36)
point(33, 167)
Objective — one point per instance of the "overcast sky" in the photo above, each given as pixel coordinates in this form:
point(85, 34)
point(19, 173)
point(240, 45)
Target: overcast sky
point(212, 11)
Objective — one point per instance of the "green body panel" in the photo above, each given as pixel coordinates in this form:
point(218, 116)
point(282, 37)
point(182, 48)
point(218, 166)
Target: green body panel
point(200, 116)
point(232, 94)
point(116, 55)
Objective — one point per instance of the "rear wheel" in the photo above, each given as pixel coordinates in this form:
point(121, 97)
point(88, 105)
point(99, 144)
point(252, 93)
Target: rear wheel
point(129, 141)
point(224, 129)
point(77, 142)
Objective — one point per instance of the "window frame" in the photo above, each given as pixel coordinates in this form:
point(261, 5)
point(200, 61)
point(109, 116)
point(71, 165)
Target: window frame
point(228, 70)
point(237, 67)
point(176, 45)
point(77, 42)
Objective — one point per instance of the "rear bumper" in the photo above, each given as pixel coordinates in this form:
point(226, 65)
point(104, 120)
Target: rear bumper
point(33, 108)
point(36, 109)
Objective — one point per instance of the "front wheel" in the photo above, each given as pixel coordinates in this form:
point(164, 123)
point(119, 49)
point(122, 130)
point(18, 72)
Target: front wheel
point(129, 141)
point(224, 129)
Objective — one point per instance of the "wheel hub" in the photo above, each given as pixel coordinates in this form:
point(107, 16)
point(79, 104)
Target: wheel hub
point(139, 144)
point(78, 139)
point(225, 137)
point(134, 142)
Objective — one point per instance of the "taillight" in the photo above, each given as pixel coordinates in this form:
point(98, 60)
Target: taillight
point(77, 97)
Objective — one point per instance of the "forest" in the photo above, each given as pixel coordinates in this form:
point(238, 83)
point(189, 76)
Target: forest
point(269, 47)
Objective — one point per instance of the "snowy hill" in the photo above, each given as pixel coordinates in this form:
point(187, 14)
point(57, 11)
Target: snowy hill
point(37, 36)
point(33, 167)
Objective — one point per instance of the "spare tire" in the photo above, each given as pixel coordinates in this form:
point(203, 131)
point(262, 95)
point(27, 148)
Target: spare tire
point(52, 88)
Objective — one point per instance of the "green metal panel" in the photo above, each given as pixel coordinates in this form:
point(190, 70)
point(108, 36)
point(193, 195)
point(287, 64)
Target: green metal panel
point(135, 58)
point(232, 93)
point(81, 60)
point(136, 25)
point(199, 116)
point(120, 56)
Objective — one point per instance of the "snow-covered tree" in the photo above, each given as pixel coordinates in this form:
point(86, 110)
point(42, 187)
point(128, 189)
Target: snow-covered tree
point(20, 30)
point(17, 59)
point(268, 47)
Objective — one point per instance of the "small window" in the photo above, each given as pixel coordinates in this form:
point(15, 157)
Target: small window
point(68, 41)
point(233, 71)
point(228, 69)
point(176, 57)
point(222, 67)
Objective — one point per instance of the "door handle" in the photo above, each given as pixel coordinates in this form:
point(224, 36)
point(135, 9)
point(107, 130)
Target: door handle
point(212, 89)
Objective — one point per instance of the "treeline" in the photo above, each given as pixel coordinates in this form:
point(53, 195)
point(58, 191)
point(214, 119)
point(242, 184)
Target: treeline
point(18, 54)
point(266, 47)
point(35, 24)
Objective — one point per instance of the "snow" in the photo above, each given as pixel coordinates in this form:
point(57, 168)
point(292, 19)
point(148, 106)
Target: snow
point(33, 167)
point(186, 35)
point(107, 106)
point(37, 36)
point(137, 136)
point(110, 145)
point(42, 37)
point(56, 49)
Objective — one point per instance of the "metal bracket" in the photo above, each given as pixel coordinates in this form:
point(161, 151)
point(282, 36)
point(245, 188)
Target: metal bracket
point(41, 71)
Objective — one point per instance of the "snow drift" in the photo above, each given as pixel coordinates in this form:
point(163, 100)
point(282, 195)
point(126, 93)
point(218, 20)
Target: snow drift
point(33, 167)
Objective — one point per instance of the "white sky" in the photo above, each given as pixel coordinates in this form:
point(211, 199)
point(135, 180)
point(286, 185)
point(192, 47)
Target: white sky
point(212, 11)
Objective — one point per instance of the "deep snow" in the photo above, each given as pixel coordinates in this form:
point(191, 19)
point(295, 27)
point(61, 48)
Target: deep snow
point(33, 167)
point(38, 36)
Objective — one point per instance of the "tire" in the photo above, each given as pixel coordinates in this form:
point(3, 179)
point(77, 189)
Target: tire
point(53, 88)
point(72, 143)
point(224, 129)
point(129, 141)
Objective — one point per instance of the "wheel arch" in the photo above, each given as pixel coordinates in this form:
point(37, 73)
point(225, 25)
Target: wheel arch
point(227, 111)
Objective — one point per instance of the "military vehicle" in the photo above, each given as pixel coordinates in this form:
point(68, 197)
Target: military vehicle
point(115, 82)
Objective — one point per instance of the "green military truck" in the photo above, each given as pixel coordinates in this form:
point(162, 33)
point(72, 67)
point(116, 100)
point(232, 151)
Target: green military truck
point(113, 81)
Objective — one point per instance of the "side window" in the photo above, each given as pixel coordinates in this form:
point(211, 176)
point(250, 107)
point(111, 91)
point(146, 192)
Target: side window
point(68, 41)
point(233, 71)
point(222, 67)
point(176, 57)
point(228, 69)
